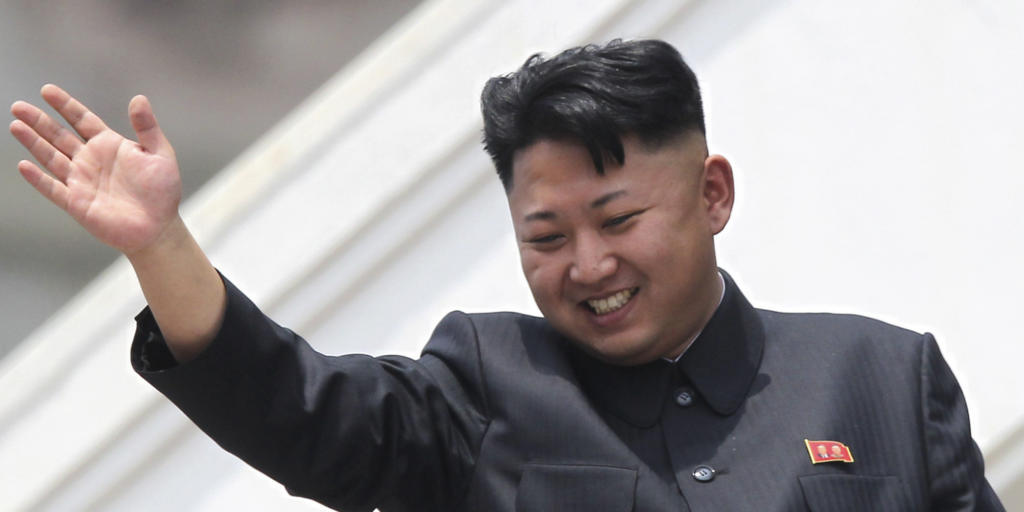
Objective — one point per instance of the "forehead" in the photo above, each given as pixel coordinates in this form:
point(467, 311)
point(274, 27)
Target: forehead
point(550, 170)
point(550, 162)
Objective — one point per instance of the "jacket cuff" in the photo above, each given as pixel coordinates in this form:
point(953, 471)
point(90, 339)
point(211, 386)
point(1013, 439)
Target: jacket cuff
point(149, 351)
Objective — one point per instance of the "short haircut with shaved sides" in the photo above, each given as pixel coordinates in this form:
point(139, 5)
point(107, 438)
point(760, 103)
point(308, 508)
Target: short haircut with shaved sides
point(593, 95)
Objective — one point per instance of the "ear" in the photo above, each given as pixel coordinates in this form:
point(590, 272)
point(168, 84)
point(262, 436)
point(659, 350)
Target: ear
point(718, 191)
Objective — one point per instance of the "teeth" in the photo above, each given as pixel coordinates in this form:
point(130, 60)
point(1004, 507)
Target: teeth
point(609, 304)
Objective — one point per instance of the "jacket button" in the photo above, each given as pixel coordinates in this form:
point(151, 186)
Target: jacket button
point(703, 473)
point(685, 397)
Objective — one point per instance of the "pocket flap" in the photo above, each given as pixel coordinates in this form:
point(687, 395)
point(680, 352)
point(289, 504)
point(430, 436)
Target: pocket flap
point(575, 488)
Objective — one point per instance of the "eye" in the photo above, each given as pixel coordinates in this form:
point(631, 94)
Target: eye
point(547, 239)
point(620, 219)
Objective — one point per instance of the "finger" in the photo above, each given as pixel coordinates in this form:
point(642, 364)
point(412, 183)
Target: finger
point(148, 130)
point(49, 129)
point(44, 153)
point(50, 188)
point(87, 124)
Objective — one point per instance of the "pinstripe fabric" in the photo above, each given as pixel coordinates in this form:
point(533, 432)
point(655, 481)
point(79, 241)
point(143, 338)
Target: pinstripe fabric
point(502, 414)
point(853, 492)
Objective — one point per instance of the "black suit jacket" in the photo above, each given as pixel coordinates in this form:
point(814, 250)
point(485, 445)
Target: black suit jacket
point(501, 413)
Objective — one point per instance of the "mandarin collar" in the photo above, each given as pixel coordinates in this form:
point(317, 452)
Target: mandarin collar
point(721, 364)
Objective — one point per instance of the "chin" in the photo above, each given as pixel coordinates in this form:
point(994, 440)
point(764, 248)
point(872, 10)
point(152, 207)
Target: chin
point(619, 353)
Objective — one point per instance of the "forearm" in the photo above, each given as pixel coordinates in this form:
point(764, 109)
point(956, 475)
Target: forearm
point(352, 432)
point(184, 291)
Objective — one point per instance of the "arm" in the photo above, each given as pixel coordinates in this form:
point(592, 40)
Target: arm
point(955, 468)
point(126, 194)
point(352, 432)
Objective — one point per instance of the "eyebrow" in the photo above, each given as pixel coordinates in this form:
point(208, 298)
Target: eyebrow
point(596, 203)
point(605, 199)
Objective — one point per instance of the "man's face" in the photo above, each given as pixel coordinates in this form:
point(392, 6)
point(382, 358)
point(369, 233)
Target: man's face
point(622, 263)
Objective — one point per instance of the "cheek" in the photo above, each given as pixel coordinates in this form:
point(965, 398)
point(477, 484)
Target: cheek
point(654, 245)
point(539, 273)
point(543, 274)
point(528, 262)
point(667, 251)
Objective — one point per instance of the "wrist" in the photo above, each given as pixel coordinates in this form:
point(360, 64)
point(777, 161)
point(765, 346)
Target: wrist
point(173, 238)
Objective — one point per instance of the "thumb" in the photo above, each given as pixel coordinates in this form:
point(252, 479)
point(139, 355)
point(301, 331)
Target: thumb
point(144, 123)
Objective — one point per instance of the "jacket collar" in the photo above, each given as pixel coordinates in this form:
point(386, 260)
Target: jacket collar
point(721, 364)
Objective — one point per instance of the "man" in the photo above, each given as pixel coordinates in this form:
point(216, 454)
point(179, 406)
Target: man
point(650, 384)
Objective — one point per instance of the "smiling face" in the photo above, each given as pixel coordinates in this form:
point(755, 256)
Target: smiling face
point(622, 263)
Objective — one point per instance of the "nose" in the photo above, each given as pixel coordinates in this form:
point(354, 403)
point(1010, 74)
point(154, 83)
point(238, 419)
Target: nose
point(593, 261)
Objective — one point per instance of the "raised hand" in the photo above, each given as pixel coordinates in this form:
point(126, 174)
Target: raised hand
point(125, 193)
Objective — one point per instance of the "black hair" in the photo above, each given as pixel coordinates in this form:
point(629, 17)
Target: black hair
point(593, 95)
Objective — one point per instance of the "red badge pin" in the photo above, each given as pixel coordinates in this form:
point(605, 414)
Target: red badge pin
point(828, 451)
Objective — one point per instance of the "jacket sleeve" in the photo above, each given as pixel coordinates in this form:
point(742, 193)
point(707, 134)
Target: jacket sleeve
point(353, 432)
point(955, 468)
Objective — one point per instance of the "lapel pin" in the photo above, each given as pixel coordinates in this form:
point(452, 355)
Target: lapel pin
point(828, 451)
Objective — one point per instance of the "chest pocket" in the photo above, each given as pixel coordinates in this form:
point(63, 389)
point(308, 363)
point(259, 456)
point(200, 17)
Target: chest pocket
point(840, 493)
point(575, 488)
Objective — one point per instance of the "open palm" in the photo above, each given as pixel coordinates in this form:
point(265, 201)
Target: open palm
point(125, 193)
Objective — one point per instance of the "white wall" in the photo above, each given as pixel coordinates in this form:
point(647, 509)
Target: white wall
point(875, 174)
